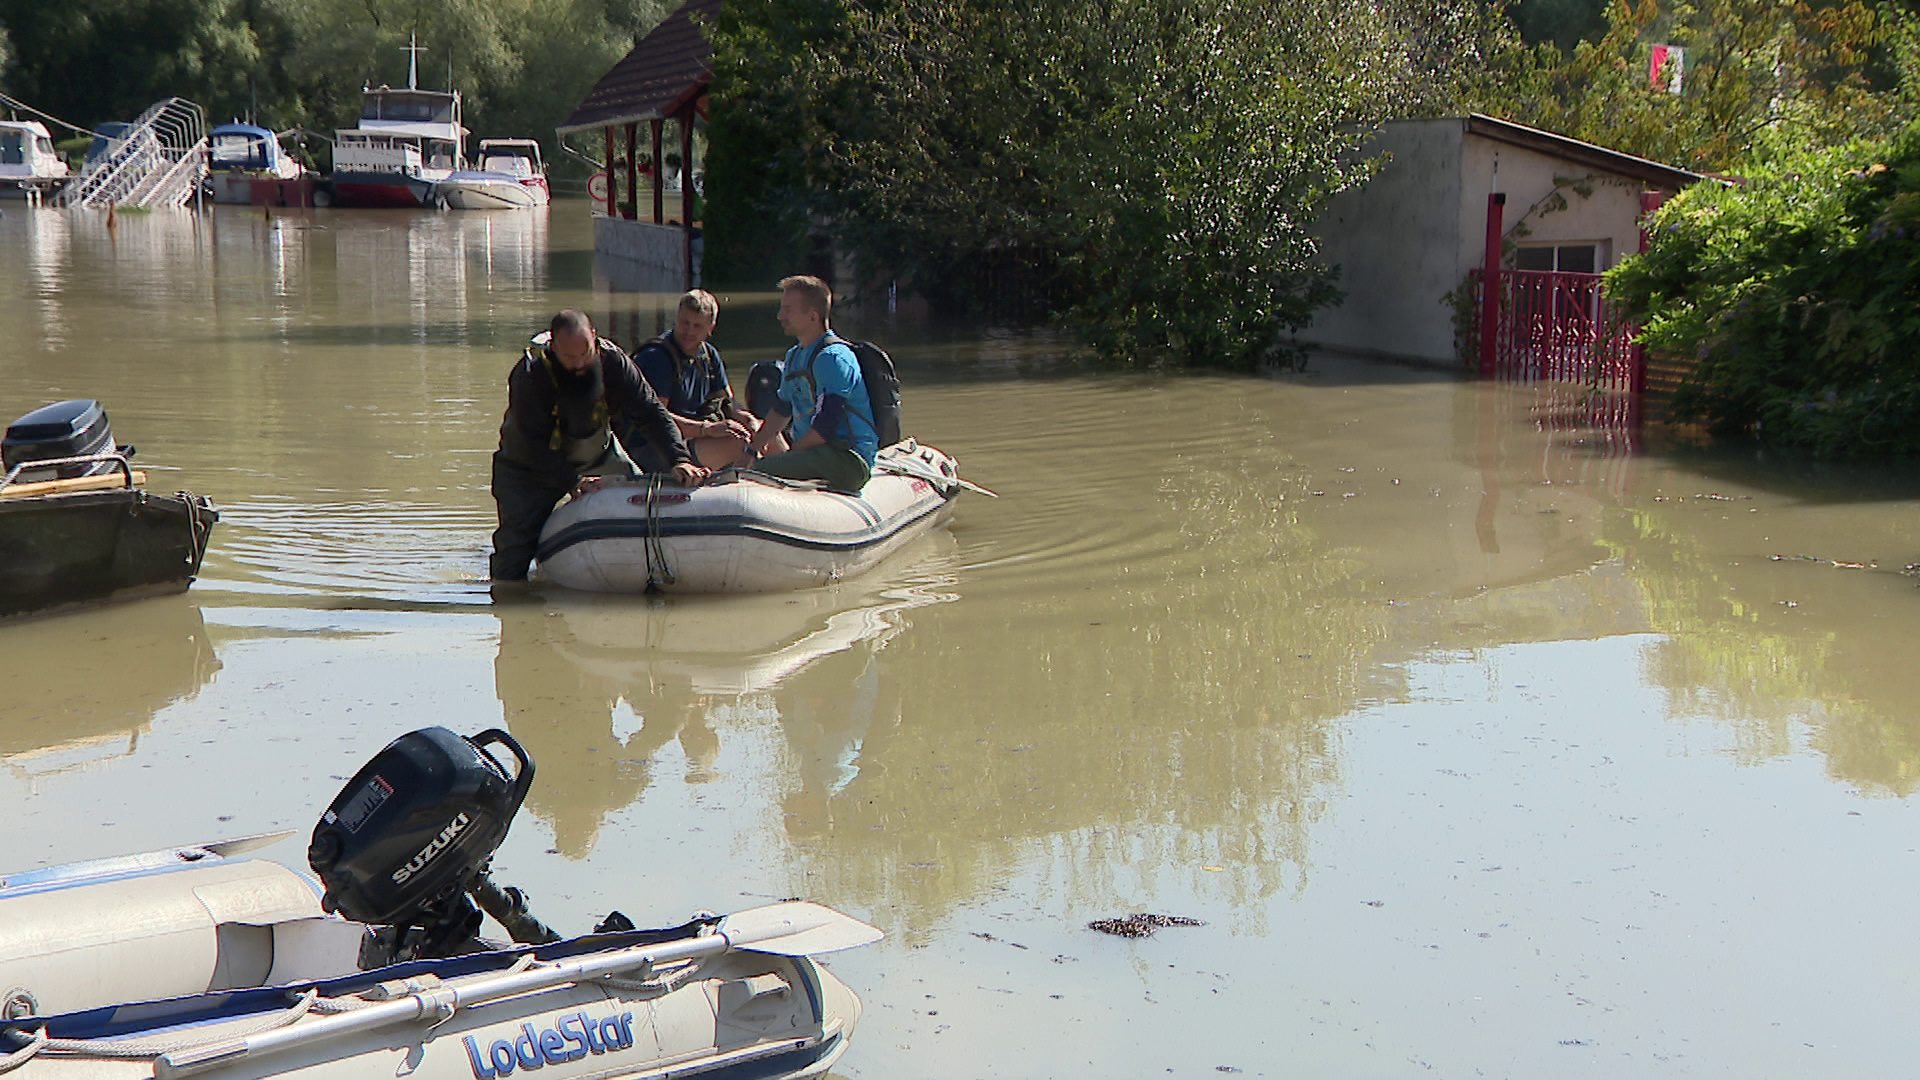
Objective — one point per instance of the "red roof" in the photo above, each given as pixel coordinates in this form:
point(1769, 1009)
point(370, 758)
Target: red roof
point(665, 73)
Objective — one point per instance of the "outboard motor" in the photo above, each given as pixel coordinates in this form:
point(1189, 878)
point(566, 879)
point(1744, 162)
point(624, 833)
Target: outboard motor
point(405, 845)
point(64, 429)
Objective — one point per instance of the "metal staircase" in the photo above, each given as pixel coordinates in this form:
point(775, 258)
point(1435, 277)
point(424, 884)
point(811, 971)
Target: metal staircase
point(158, 162)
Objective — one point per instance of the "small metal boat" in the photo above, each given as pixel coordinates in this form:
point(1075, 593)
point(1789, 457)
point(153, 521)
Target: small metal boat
point(189, 961)
point(77, 526)
point(745, 531)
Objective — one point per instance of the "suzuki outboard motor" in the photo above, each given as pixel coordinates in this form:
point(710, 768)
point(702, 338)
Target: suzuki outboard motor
point(409, 838)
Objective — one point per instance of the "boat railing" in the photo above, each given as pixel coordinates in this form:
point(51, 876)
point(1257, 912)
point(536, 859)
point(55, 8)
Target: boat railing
point(159, 161)
point(119, 461)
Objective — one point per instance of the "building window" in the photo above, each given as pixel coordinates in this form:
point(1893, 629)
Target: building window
point(1565, 258)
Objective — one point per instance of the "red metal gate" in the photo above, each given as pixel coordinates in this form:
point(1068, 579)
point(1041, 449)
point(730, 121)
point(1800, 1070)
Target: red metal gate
point(1555, 326)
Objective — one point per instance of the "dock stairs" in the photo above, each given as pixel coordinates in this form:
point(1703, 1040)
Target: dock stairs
point(158, 162)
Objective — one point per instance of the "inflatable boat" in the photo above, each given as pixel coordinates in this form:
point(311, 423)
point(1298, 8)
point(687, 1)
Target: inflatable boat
point(192, 961)
point(744, 531)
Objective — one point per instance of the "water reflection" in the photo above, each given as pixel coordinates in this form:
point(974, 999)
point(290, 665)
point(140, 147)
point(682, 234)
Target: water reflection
point(597, 687)
point(100, 687)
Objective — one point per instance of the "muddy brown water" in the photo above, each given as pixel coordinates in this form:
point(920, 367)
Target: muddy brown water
point(1482, 743)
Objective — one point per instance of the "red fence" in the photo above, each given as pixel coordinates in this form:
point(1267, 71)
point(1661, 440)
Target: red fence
point(1558, 327)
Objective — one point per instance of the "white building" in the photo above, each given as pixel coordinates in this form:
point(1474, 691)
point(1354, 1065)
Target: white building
point(1407, 240)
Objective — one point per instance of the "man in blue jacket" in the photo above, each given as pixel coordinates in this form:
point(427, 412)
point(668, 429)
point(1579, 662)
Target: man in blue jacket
point(823, 409)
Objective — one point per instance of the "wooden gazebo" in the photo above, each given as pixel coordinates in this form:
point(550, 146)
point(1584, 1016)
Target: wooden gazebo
point(665, 77)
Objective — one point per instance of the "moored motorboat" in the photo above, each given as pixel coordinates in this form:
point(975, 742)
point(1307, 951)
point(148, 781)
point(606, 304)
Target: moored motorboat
point(509, 176)
point(29, 164)
point(745, 531)
point(473, 189)
point(77, 525)
point(191, 960)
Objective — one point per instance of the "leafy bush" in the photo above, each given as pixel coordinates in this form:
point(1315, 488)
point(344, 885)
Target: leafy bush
point(1796, 296)
point(1146, 173)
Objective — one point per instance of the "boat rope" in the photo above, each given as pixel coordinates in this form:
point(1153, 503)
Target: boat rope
point(133, 1049)
point(16, 103)
point(25, 1054)
point(658, 572)
point(196, 536)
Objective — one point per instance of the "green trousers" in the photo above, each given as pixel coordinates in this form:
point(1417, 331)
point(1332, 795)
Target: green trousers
point(834, 462)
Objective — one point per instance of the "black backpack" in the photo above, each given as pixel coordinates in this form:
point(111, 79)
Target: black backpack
point(876, 370)
point(883, 389)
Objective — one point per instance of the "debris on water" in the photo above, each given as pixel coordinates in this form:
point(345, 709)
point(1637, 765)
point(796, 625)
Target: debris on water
point(1140, 924)
point(1374, 903)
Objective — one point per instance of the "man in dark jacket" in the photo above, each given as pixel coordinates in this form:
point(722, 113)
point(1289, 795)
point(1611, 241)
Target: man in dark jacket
point(571, 403)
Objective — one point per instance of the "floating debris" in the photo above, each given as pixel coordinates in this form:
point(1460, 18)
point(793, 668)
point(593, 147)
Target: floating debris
point(1140, 924)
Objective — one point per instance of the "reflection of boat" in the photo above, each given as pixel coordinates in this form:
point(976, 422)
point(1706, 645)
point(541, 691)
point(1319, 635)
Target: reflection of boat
point(599, 686)
point(241, 967)
point(747, 533)
point(29, 165)
point(105, 699)
point(510, 177)
point(77, 527)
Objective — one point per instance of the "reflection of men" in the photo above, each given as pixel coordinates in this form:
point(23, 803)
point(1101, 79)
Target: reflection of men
point(685, 370)
point(565, 400)
point(563, 698)
point(823, 408)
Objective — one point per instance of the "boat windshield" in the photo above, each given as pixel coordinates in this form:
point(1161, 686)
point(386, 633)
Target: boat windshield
point(239, 151)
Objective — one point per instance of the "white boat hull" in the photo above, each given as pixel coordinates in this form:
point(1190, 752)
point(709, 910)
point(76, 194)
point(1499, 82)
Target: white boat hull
point(755, 534)
point(191, 927)
point(490, 194)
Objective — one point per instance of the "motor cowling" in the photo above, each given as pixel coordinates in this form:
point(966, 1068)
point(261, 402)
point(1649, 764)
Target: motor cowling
point(417, 824)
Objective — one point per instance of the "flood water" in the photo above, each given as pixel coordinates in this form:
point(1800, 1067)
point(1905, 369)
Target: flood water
point(1482, 743)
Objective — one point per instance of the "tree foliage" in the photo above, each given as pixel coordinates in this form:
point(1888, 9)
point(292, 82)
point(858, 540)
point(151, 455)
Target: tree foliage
point(522, 65)
point(1797, 297)
point(1824, 71)
point(1146, 171)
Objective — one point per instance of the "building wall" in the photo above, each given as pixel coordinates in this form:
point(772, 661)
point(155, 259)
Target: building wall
point(651, 258)
point(1397, 244)
point(1410, 236)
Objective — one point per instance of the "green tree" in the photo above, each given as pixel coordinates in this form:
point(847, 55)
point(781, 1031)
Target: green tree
point(1797, 297)
point(1752, 67)
point(1147, 171)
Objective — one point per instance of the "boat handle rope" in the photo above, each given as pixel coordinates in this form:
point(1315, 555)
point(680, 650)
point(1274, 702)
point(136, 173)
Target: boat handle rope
point(107, 1048)
point(25, 1054)
point(658, 572)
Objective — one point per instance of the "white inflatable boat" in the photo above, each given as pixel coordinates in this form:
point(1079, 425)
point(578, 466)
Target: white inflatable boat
point(745, 531)
point(189, 961)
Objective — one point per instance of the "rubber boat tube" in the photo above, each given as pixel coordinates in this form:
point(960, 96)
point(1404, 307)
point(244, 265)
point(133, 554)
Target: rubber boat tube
point(745, 531)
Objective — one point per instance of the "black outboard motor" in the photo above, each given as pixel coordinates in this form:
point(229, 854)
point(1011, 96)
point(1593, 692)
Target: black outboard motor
point(64, 429)
point(409, 838)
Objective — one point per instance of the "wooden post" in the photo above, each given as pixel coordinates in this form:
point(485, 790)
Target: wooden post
point(613, 178)
point(659, 196)
point(632, 171)
point(686, 186)
point(1490, 286)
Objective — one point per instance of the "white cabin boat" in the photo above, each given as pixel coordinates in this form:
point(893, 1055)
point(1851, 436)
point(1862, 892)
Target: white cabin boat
point(510, 176)
point(407, 142)
point(29, 165)
point(745, 531)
